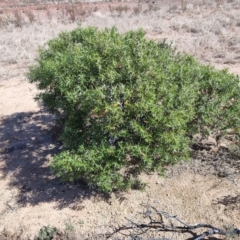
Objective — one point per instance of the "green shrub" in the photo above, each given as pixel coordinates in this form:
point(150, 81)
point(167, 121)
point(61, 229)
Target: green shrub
point(46, 233)
point(128, 104)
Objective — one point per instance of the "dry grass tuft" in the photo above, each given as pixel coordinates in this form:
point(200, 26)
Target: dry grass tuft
point(18, 18)
point(30, 16)
point(118, 10)
point(137, 10)
point(71, 12)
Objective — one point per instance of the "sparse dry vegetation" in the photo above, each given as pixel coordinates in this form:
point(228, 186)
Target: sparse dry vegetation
point(210, 33)
point(204, 190)
point(30, 16)
point(18, 19)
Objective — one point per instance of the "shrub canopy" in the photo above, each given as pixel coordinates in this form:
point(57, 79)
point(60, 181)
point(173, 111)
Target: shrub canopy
point(128, 104)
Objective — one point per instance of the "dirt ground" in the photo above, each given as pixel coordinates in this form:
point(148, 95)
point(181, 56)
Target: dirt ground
point(32, 197)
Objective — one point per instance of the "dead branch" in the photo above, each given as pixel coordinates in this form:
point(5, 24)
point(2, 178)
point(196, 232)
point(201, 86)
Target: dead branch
point(161, 221)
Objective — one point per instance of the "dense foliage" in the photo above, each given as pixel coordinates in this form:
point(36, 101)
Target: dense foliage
point(128, 104)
